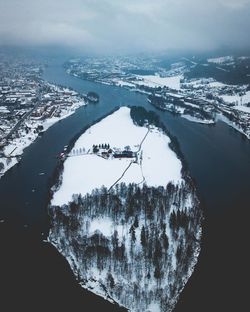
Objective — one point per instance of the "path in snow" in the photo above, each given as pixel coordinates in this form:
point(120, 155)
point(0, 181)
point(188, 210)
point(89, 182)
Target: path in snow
point(131, 164)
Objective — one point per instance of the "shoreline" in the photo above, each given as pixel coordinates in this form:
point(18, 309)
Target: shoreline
point(185, 116)
point(58, 171)
point(107, 297)
point(231, 124)
point(73, 261)
point(18, 145)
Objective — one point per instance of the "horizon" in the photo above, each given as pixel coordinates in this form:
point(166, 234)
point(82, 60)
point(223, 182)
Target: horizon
point(123, 27)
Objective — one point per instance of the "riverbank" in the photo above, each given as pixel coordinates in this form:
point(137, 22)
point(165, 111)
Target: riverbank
point(149, 172)
point(33, 128)
point(218, 160)
point(197, 100)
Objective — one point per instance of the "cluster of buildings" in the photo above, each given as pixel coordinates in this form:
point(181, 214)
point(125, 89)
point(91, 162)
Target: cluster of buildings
point(24, 95)
point(28, 106)
point(54, 102)
point(106, 152)
point(202, 99)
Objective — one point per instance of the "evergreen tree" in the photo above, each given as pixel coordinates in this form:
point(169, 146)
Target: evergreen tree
point(157, 272)
point(165, 241)
point(132, 232)
point(111, 280)
point(136, 223)
point(172, 220)
point(143, 236)
point(157, 252)
point(115, 239)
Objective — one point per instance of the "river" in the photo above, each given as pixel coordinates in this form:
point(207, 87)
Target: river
point(218, 158)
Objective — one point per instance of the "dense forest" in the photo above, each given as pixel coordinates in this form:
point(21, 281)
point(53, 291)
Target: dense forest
point(143, 247)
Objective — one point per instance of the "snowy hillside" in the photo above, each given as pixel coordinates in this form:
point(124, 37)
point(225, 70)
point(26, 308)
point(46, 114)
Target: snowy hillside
point(136, 240)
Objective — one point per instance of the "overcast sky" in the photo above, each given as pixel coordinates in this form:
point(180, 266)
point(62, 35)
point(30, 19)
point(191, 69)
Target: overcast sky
point(116, 26)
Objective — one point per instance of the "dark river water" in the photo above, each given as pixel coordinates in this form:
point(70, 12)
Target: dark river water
point(219, 160)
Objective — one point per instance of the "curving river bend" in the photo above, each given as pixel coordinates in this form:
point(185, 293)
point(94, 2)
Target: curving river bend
point(218, 158)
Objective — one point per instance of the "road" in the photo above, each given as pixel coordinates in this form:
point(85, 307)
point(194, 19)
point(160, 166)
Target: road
point(139, 149)
point(22, 119)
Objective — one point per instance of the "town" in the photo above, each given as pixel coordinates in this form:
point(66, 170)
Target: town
point(28, 106)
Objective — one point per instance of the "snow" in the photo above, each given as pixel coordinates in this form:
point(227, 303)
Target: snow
point(94, 275)
point(157, 81)
point(217, 84)
point(224, 119)
point(4, 109)
point(154, 307)
point(16, 148)
point(242, 108)
point(17, 145)
point(179, 109)
point(242, 58)
point(83, 173)
point(231, 98)
point(205, 82)
point(195, 119)
point(7, 164)
point(221, 60)
point(66, 113)
point(160, 164)
point(174, 95)
point(223, 69)
point(192, 105)
point(122, 83)
point(236, 98)
point(103, 225)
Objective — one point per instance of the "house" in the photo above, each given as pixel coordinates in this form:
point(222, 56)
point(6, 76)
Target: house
point(124, 154)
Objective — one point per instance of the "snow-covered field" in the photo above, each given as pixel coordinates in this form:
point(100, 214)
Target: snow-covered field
point(221, 60)
point(242, 108)
point(237, 99)
point(205, 82)
point(122, 83)
point(83, 173)
point(217, 84)
point(157, 81)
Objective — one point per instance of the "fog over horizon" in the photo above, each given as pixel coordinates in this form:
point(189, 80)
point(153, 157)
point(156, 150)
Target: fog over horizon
point(126, 26)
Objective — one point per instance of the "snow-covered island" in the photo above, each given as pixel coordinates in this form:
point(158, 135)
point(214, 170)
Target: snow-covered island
point(125, 213)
